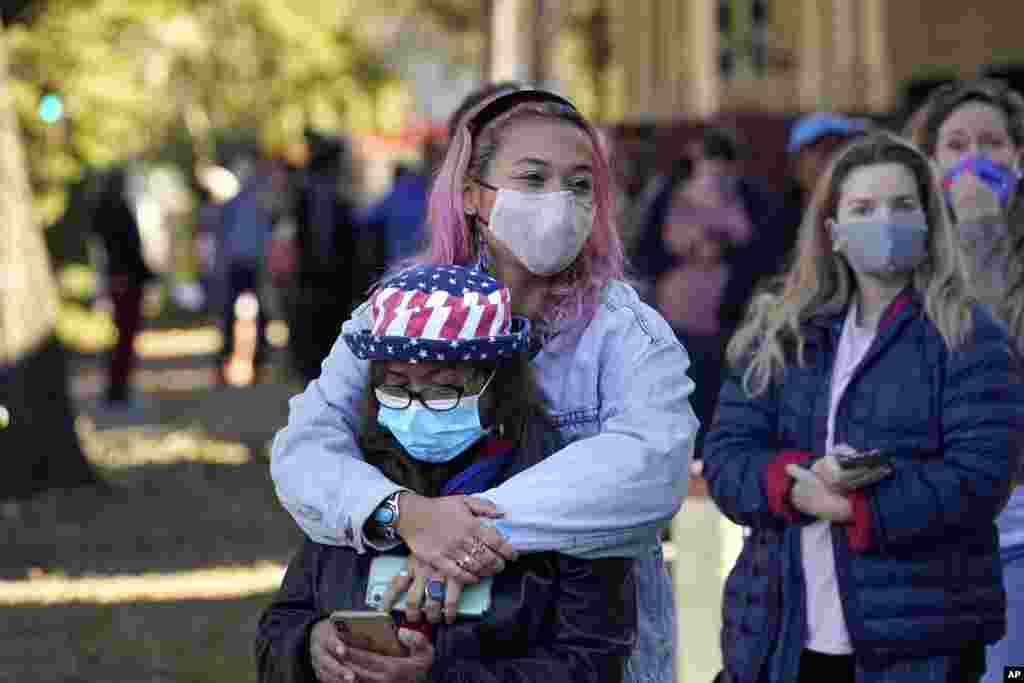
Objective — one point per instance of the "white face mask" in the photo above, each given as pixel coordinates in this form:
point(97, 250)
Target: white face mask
point(545, 230)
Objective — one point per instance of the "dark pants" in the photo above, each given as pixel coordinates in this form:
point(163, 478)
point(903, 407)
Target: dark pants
point(126, 293)
point(966, 667)
point(316, 317)
point(243, 277)
point(816, 667)
point(707, 362)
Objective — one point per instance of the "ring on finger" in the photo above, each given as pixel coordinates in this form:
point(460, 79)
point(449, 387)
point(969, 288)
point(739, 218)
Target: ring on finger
point(479, 547)
point(434, 591)
point(466, 563)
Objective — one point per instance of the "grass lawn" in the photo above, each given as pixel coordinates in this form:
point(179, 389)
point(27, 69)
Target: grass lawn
point(182, 516)
point(192, 641)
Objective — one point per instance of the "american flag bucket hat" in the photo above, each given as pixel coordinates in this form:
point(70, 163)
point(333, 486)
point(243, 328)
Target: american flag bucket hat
point(441, 313)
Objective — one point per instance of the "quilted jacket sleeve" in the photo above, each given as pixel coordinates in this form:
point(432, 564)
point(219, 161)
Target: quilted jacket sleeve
point(983, 423)
point(743, 464)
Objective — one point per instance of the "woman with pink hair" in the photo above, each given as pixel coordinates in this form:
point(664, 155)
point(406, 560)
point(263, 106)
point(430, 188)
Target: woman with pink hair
point(525, 194)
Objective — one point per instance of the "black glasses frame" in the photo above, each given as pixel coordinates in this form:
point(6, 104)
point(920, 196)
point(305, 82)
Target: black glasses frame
point(418, 395)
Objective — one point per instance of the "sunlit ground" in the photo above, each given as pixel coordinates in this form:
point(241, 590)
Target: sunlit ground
point(216, 583)
point(92, 331)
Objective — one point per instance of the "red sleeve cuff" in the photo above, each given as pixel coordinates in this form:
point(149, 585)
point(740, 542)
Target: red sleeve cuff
point(858, 531)
point(777, 483)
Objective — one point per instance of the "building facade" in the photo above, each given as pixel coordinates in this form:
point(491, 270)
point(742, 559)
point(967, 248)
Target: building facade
point(670, 59)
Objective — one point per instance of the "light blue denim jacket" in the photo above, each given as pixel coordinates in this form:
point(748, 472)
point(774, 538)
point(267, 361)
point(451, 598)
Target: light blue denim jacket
point(619, 394)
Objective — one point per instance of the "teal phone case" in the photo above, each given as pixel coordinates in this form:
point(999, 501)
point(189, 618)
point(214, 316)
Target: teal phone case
point(474, 601)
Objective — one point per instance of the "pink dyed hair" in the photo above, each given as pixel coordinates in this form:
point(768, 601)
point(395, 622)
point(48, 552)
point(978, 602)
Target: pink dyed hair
point(577, 290)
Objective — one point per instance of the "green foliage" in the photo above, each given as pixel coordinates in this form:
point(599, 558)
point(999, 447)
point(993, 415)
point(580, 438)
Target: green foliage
point(137, 76)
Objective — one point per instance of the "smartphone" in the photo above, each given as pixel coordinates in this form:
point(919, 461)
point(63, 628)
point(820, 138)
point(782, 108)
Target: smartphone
point(474, 601)
point(873, 458)
point(373, 631)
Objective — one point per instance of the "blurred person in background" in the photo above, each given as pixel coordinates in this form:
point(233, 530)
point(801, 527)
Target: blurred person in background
point(114, 221)
point(327, 279)
point(708, 236)
point(246, 223)
point(813, 140)
point(217, 185)
point(397, 220)
point(867, 436)
point(974, 132)
point(525, 194)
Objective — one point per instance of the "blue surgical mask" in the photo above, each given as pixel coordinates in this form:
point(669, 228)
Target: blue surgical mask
point(436, 437)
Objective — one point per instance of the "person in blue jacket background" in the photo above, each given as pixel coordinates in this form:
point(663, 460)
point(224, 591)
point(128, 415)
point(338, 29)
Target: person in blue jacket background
point(872, 354)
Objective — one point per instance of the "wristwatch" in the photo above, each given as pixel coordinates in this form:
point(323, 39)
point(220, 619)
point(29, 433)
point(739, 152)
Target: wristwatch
point(386, 517)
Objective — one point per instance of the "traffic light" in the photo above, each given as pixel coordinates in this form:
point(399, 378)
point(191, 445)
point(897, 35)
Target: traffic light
point(51, 107)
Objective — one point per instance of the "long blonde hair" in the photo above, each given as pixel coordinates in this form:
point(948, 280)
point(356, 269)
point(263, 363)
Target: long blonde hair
point(924, 127)
point(772, 337)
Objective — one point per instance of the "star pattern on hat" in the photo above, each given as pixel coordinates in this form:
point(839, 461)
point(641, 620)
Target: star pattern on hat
point(415, 300)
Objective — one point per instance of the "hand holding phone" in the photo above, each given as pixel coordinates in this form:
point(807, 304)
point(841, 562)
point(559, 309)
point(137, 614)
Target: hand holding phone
point(372, 631)
point(851, 459)
point(847, 469)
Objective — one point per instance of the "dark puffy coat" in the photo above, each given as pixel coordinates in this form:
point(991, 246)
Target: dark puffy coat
point(552, 618)
point(918, 568)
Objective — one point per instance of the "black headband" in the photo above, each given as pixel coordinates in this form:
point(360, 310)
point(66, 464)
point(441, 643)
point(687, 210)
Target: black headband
point(503, 103)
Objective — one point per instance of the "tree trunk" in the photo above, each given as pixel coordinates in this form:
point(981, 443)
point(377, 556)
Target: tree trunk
point(40, 448)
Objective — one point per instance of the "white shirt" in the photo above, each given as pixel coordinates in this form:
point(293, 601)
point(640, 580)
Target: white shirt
point(826, 625)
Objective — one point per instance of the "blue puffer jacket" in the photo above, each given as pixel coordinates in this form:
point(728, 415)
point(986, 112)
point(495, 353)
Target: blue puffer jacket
point(918, 567)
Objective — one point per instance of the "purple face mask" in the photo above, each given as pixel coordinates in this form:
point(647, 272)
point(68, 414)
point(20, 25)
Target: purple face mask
point(1002, 180)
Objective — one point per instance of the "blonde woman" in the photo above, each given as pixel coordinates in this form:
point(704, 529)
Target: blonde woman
point(866, 438)
point(974, 132)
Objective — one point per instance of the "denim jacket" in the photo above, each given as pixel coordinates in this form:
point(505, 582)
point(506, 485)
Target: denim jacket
point(619, 395)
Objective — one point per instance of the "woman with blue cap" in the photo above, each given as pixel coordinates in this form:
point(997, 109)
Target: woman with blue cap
point(454, 410)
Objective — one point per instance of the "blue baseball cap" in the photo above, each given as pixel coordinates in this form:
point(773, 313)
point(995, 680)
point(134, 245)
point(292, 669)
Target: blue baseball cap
point(812, 127)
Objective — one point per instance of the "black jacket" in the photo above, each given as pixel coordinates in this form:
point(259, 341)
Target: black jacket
point(552, 618)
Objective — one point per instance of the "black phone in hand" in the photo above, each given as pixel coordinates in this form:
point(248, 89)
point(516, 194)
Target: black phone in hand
point(858, 459)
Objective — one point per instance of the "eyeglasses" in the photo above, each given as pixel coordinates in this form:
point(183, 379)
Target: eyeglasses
point(438, 398)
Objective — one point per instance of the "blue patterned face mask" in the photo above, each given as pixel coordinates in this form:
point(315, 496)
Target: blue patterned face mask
point(1002, 180)
point(436, 437)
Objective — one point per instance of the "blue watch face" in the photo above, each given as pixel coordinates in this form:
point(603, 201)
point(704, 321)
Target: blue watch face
point(384, 515)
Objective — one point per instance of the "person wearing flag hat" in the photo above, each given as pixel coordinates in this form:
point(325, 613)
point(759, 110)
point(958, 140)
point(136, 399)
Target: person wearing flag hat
point(453, 410)
point(525, 194)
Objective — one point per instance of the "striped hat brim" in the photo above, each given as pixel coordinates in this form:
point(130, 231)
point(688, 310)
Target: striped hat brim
point(367, 346)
